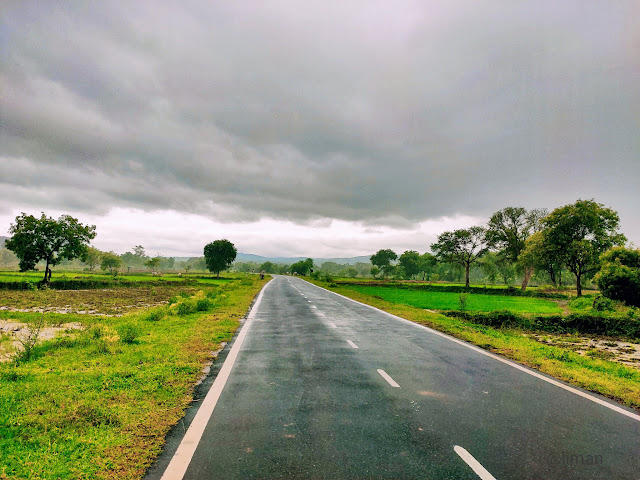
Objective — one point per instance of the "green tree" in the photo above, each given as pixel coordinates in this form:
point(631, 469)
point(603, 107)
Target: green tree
point(351, 272)
point(219, 255)
point(268, 267)
point(462, 247)
point(35, 239)
point(110, 261)
point(153, 263)
point(581, 232)
point(427, 264)
point(92, 258)
point(619, 276)
point(410, 263)
point(382, 259)
point(539, 254)
point(303, 267)
point(507, 232)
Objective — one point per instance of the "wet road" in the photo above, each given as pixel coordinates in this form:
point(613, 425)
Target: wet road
point(324, 387)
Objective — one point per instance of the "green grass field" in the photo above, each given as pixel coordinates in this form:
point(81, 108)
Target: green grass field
point(451, 301)
point(97, 402)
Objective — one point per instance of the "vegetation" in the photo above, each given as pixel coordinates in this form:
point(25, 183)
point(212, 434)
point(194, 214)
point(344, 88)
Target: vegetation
point(382, 260)
point(581, 232)
point(619, 277)
point(35, 239)
point(219, 255)
point(303, 267)
point(97, 401)
point(463, 247)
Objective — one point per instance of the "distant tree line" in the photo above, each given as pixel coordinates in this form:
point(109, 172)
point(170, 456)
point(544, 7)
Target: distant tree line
point(580, 239)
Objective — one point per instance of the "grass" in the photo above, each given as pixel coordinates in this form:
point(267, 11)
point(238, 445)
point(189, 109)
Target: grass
point(451, 301)
point(613, 380)
point(98, 402)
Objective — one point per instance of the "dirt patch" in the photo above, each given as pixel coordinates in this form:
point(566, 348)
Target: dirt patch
point(626, 353)
point(11, 331)
point(116, 301)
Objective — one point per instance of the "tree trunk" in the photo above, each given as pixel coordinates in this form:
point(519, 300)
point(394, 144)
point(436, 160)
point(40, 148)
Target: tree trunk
point(579, 287)
point(467, 268)
point(47, 277)
point(528, 273)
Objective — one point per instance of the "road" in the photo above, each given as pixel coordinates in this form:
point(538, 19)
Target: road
point(320, 386)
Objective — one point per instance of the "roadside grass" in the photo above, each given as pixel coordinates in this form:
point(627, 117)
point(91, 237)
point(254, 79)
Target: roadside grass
point(613, 380)
point(451, 301)
point(98, 402)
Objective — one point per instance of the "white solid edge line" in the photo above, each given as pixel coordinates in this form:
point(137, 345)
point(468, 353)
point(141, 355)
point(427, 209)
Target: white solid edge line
point(182, 458)
point(386, 376)
point(353, 345)
point(473, 463)
point(522, 368)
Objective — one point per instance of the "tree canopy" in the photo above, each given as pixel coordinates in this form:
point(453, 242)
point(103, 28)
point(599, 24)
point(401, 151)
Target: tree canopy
point(49, 240)
point(619, 276)
point(303, 267)
point(219, 255)
point(462, 247)
point(580, 233)
point(382, 259)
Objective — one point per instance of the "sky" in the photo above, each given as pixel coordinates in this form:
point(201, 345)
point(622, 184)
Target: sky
point(316, 128)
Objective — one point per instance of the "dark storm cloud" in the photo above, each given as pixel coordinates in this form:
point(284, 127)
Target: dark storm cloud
point(387, 113)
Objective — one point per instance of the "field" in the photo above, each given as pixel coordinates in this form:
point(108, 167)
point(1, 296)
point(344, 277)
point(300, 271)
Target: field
point(114, 369)
point(451, 301)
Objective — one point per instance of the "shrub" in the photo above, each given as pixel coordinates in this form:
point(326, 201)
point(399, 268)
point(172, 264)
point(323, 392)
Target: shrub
point(128, 333)
point(185, 308)
point(96, 331)
point(619, 277)
point(204, 305)
point(602, 304)
point(155, 315)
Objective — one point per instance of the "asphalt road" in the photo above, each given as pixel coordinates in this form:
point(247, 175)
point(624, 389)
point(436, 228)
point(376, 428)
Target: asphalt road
point(324, 387)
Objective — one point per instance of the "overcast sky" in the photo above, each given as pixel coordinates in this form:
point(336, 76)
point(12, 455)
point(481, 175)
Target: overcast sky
point(314, 128)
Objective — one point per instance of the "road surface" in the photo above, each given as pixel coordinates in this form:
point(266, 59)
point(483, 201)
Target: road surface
point(322, 387)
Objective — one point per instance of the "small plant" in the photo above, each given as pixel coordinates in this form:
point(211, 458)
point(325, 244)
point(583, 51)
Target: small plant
point(96, 331)
point(173, 300)
point(462, 299)
point(601, 304)
point(128, 333)
point(204, 305)
point(155, 315)
point(30, 339)
point(185, 308)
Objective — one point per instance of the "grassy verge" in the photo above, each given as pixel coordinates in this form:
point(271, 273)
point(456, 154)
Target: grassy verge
point(619, 382)
point(97, 402)
point(476, 302)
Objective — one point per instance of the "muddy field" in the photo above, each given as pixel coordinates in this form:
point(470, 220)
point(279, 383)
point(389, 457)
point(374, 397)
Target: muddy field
point(115, 301)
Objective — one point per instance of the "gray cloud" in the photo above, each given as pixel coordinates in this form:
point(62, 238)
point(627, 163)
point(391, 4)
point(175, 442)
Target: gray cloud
point(384, 113)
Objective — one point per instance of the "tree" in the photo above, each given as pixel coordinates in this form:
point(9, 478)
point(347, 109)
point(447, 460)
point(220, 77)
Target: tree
point(92, 258)
point(496, 264)
point(382, 259)
point(410, 262)
point(303, 267)
point(110, 261)
point(35, 239)
point(581, 232)
point(426, 264)
point(619, 276)
point(153, 263)
point(539, 254)
point(219, 255)
point(462, 247)
point(268, 267)
point(507, 232)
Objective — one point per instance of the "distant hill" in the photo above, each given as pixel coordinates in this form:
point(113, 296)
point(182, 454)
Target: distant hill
point(2, 240)
point(248, 257)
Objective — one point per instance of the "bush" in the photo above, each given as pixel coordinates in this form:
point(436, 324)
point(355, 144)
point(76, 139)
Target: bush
point(155, 315)
point(128, 333)
point(619, 277)
point(204, 305)
point(602, 304)
point(185, 308)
